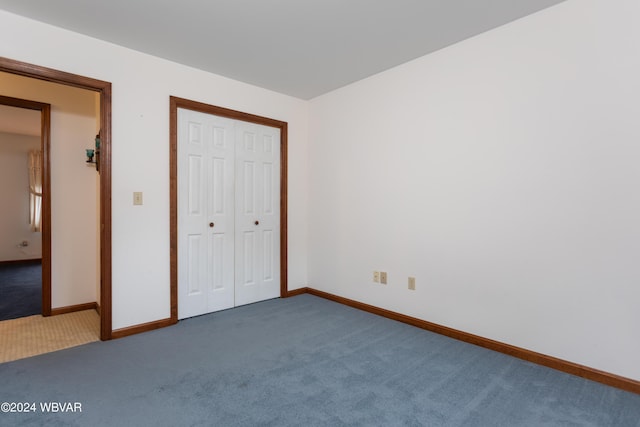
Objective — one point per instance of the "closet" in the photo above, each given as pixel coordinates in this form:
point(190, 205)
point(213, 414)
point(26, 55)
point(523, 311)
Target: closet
point(228, 213)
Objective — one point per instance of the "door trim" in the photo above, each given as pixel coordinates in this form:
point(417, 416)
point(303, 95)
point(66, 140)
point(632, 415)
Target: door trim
point(104, 89)
point(174, 104)
point(45, 146)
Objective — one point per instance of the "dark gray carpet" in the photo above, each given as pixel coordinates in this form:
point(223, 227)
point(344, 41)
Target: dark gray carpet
point(303, 361)
point(20, 289)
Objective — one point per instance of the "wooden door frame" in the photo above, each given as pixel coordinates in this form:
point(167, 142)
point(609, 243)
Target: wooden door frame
point(104, 89)
point(174, 104)
point(45, 147)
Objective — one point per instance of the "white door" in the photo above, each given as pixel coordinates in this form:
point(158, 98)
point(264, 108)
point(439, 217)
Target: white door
point(228, 178)
point(206, 146)
point(257, 213)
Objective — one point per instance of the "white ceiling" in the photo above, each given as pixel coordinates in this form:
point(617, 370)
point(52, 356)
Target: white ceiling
point(302, 48)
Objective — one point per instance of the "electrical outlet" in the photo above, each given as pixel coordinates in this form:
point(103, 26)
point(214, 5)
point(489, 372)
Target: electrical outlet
point(383, 277)
point(376, 277)
point(412, 283)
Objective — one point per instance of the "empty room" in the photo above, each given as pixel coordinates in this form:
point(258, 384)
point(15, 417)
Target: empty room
point(326, 213)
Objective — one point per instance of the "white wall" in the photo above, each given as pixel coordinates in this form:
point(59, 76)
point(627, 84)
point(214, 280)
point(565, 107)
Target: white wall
point(14, 197)
point(74, 213)
point(142, 85)
point(501, 172)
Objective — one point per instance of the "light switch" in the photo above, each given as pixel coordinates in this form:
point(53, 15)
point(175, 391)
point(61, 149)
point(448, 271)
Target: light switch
point(137, 198)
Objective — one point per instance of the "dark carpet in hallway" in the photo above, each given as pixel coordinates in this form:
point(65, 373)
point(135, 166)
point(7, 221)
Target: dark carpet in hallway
point(20, 289)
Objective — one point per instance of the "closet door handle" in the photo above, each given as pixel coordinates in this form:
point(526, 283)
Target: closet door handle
point(257, 223)
point(211, 224)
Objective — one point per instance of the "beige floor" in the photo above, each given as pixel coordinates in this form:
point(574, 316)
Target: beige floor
point(33, 335)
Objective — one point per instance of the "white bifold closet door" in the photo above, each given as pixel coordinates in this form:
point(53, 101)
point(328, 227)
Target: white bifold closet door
point(228, 213)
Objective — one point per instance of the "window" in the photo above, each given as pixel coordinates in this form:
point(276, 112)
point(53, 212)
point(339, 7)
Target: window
point(35, 190)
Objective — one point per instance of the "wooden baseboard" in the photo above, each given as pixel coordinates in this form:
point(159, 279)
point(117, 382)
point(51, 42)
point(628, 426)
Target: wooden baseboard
point(98, 308)
point(73, 308)
point(521, 353)
point(21, 261)
point(295, 292)
point(143, 327)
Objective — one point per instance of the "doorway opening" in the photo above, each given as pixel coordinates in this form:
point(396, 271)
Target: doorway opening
point(104, 90)
point(179, 103)
point(27, 272)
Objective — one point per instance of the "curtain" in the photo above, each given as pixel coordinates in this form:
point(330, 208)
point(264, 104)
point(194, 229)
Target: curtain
point(35, 190)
